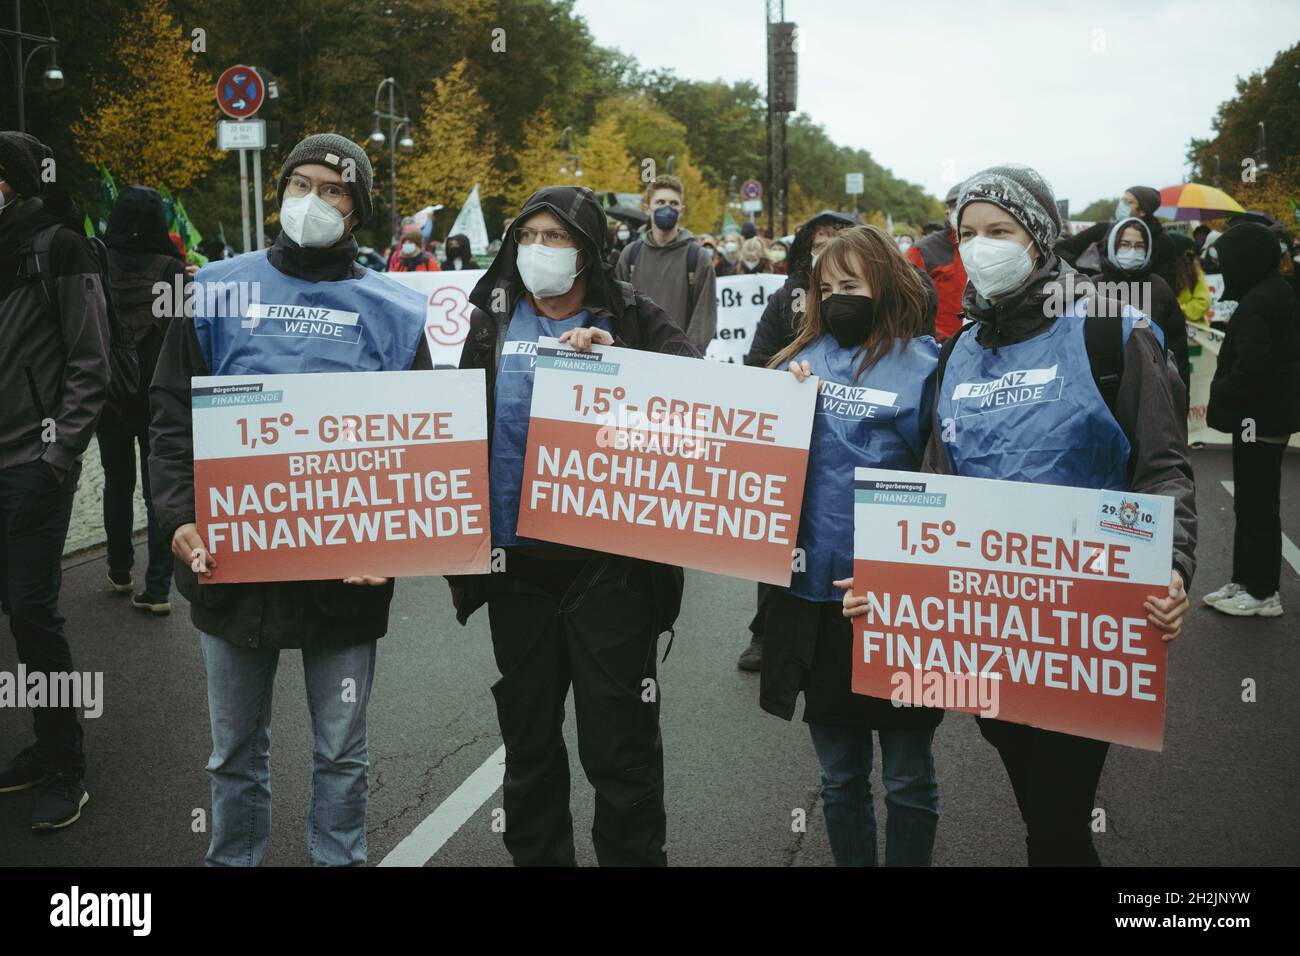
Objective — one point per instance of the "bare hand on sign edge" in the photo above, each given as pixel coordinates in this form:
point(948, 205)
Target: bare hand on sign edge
point(853, 605)
point(1166, 613)
point(800, 370)
point(189, 547)
point(365, 579)
point(581, 340)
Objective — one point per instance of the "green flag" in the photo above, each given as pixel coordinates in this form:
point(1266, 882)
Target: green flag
point(90, 226)
point(190, 235)
point(107, 196)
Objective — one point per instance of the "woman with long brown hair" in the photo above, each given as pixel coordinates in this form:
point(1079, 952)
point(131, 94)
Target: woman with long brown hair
point(861, 336)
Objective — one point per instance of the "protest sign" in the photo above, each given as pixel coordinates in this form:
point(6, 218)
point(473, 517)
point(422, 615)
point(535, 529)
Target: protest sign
point(446, 321)
point(741, 300)
point(331, 475)
point(664, 458)
point(1018, 601)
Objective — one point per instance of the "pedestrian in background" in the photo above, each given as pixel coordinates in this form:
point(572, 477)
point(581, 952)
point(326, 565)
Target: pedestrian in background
point(938, 255)
point(54, 375)
point(753, 257)
point(140, 256)
point(1189, 281)
point(411, 256)
point(1255, 397)
point(458, 255)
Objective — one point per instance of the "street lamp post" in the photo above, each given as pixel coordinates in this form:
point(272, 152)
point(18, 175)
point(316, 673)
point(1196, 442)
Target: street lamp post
point(396, 124)
point(53, 77)
point(1261, 157)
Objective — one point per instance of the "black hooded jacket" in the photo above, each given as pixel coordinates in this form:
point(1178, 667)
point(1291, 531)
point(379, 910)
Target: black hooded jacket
point(1163, 308)
point(637, 323)
point(140, 255)
point(1258, 371)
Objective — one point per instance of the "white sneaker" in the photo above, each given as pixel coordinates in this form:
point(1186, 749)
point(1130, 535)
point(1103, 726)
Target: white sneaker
point(1228, 591)
point(1243, 605)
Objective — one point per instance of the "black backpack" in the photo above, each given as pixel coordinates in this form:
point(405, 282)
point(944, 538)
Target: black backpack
point(123, 359)
point(692, 260)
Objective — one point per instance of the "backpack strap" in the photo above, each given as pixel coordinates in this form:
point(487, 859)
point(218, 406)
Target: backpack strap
point(692, 260)
point(36, 264)
point(1104, 339)
point(633, 251)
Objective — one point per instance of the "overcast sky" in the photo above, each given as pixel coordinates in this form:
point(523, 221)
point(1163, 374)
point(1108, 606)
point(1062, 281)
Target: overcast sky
point(1097, 95)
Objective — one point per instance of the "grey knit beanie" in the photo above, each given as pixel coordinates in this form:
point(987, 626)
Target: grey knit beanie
point(333, 150)
point(1022, 192)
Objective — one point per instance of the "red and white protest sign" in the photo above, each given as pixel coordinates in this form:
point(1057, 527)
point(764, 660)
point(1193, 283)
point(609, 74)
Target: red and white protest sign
point(667, 458)
point(331, 475)
point(1017, 601)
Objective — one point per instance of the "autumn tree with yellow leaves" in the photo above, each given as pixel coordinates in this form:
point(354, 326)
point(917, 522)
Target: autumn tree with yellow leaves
point(455, 146)
point(155, 123)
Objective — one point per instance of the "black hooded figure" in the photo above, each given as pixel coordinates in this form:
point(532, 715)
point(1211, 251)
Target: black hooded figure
point(140, 255)
point(458, 254)
point(1255, 396)
point(561, 615)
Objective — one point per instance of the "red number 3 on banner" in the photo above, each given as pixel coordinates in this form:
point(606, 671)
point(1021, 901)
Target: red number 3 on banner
point(447, 320)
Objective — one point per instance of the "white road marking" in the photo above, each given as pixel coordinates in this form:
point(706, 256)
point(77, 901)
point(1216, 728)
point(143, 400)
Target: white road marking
point(437, 828)
point(1289, 550)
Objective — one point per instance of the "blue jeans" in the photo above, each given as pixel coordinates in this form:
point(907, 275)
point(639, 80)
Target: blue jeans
point(911, 794)
point(240, 682)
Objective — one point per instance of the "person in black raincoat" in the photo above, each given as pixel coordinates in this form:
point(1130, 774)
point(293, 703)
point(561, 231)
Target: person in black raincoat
point(140, 255)
point(562, 615)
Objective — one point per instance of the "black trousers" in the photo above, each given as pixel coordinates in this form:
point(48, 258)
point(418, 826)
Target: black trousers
point(1256, 503)
point(1055, 778)
point(589, 624)
point(117, 439)
point(757, 625)
point(35, 508)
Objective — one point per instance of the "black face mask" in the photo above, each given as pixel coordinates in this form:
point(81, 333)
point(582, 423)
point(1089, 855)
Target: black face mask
point(848, 318)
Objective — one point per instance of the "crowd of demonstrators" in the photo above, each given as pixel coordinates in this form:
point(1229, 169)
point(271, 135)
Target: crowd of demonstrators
point(1255, 396)
point(54, 378)
point(863, 328)
point(563, 616)
point(937, 253)
point(669, 266)
point(244, 627)
point(1140, 202)
point(411, 253)
point(140, 255)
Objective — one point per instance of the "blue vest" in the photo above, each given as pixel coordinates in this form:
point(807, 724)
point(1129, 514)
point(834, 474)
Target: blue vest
point(1031, 411)
point(874, 422)
point(514, 401)
point(290, 325)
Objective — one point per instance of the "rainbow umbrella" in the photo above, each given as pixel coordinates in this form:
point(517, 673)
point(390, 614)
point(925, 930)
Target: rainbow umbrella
point(1195, 201)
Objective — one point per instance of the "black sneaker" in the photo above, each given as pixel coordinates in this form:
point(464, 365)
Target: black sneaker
point(751, 658)
point(152, 605)
point(22, 773)
point(119, 582)
point(59, 802)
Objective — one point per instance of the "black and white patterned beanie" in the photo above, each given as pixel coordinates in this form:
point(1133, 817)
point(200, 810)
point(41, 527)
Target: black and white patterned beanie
point(1022, 192)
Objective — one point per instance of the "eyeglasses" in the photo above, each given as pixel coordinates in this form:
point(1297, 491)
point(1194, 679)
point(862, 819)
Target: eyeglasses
point(548, 237)
point(336, 194)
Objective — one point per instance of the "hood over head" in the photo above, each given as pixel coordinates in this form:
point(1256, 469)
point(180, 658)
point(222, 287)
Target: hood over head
point(800, 259)
point(1109, 262)
point(580, 211)
point(137, 223)
point(1248, 254)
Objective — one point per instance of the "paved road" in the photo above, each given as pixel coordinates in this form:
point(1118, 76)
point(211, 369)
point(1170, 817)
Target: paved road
point(1223, 792)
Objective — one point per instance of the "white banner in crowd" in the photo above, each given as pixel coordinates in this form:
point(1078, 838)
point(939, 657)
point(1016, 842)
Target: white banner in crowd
point(741, 300)
point(469, 222)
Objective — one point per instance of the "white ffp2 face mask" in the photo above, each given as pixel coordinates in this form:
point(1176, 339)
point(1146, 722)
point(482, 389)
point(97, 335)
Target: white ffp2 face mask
point(1130, 259)
point(310, 221)
point(995, 266)
point(547, 271)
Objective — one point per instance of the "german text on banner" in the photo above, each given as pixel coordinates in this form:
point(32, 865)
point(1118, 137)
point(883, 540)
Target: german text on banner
point(1017, 601)
point(667, 458)
point(307, 477)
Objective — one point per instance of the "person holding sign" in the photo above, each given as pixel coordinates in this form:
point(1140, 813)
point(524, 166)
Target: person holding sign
point(861, 337)
point(1052, 385)
point(561, 615)
point(359, 321)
